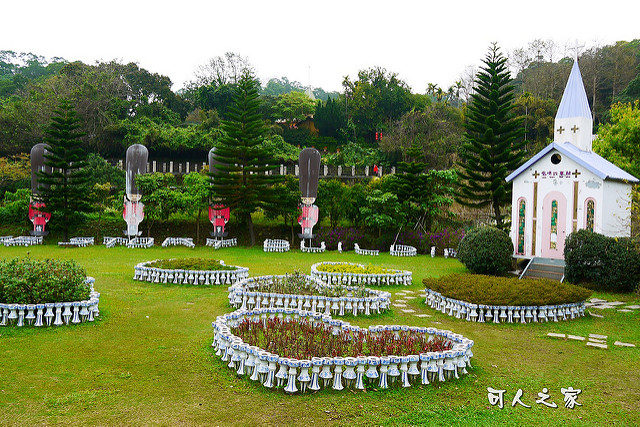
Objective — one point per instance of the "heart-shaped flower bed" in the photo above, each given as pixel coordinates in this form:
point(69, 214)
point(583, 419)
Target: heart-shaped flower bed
point(193, 271)
point(357, 274)
point(302, 350)
point(307, 293)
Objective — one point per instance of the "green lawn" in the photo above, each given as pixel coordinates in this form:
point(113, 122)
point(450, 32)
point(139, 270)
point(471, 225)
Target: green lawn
point(148, 360)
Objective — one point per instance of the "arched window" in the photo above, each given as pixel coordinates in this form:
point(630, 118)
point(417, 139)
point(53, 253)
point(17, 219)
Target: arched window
point(589, 214)
point(554, 225)
point(522, 210)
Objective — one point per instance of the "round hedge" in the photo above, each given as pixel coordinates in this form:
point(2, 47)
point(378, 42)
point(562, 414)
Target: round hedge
point(31, 281)
point(486, 250)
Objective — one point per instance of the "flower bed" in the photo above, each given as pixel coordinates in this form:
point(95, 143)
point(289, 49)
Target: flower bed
point(47, 314)
point(306, 293)
point(347, 357)
point(358, 274)
point(193, 271)
point(505, 300)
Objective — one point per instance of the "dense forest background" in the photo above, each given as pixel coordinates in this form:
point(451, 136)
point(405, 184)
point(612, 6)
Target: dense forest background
point(376, 119)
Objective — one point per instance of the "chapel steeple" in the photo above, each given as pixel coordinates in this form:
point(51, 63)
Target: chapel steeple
point(573, 122)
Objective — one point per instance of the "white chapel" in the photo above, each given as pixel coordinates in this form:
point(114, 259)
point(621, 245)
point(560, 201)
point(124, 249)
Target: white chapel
point(566, 186)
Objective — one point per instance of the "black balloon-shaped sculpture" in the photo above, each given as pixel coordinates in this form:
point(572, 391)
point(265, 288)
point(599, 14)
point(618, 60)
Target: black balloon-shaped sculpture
point(309, 167)
point(38, 217)
point(136, 164)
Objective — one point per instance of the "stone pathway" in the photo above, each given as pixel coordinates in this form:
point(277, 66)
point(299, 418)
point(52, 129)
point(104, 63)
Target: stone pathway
point(602, 304)
point(594, 340)
point(400, 300)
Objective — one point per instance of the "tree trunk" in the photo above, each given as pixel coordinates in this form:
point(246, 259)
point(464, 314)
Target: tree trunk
point(252, 235)
point(198, 226)
point(496, 212)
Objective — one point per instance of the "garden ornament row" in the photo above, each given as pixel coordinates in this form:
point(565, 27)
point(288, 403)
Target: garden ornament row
point(178, 241)
point(502, 313)
point(57, 314)
point(243, 295)
point(189, 277)
point(138, 242)
point(403, 250)
point(359, 251)
point(222, 243)
point(394, 277)
point(312, 249)
point(276, 245)
point(23, 241)
point(337, 373)
point(78, 242)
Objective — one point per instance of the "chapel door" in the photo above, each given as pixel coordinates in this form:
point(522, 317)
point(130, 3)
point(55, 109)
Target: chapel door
point(554, 214)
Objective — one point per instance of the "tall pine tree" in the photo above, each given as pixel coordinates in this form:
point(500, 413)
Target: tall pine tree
point(67, 195)
point(493, 144)
point(241, 181)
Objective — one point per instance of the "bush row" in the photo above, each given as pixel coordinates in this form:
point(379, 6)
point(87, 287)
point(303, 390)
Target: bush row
point(490, 290)
point(29, 281)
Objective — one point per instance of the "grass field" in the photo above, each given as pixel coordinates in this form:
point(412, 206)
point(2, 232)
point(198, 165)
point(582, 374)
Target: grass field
point(148, 360)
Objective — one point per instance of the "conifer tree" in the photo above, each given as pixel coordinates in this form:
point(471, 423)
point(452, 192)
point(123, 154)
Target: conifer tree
point(67, 195)
point(493, 144)
point(241, 181)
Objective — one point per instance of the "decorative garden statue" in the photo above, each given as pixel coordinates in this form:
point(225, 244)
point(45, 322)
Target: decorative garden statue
point(218, 213)
point(309, 165)
point(136, 164)
point(38, 217)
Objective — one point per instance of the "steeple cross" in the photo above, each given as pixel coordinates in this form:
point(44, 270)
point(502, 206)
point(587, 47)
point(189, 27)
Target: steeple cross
point(536, 174)
point(575, 128)
point(576, 173)
point(576, 50)
point(560, 130)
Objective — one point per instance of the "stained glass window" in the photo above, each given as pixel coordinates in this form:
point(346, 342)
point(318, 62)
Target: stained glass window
point(554, 225)
point(521, 221)
point(591, 214)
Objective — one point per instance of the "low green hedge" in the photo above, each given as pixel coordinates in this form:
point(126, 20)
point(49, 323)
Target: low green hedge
point(190, 264)
point(602, 263)
point(353, 268)
point(30, 281)
point(491, 290)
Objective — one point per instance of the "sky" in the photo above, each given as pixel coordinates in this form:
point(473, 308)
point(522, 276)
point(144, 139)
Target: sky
point(316, 43)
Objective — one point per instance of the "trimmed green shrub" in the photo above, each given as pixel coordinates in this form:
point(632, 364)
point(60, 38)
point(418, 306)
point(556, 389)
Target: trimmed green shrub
point(602, 263)
point(30, 281)
point(486, 250)
point(191, 264)
point(491, 290)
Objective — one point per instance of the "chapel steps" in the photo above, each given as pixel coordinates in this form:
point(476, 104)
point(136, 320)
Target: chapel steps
point(545, 268)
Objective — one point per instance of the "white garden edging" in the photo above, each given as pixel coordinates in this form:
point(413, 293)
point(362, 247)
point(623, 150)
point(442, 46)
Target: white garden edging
point(190, 277)
point(242, 295)
point(78, 242)
point(276, 245)
point(403, 250)
point(178, 241)
point(502, 313)
point(312, 249)
point(224, 243)
point(137, 242)
point(23, 240)
point(337, 373)
point(47, 314)
point(395, 277)
point(360, 251)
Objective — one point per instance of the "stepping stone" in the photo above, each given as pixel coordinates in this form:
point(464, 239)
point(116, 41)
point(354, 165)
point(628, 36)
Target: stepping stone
point(616, 303)
point(409, 292)
point(632, 307)
point(408, 310)
point(575, 337)
point(436, 323)
point(602, 306)
point(399, 305)
point(423, 315)
point(624, 310)
point(400, 301)
point(554, 335)
point(597, 345)
point(623, 344)
point(598, 337)
point(598, 341)
point(597, 300)
point(596, 315)
point(408, 297)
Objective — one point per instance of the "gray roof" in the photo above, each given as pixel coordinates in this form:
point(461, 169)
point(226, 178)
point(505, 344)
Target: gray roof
point(574, 101)
point(587, 159)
